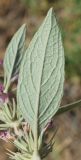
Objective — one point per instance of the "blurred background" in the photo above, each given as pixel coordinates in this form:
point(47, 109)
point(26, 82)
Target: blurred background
point(13, 13)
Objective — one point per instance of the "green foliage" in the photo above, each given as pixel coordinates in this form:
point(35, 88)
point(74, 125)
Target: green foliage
point(40, 89)
point(41, 77)
point(13, 56)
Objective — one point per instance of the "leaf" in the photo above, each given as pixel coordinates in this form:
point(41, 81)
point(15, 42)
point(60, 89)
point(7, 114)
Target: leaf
point(41, 78)
point(14, 54)
point(68, 107)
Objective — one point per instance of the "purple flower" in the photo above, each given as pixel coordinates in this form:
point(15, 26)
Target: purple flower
point(4, 135)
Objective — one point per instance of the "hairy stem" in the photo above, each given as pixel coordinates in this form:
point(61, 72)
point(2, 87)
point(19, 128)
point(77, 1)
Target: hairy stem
point(36, 156)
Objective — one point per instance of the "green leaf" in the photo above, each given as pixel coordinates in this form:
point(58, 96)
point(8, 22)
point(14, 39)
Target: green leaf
point(13, 55)
point(41, 78)
point(68, 107)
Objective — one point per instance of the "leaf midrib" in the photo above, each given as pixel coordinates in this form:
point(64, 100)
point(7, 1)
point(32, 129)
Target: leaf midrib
point(39, 91)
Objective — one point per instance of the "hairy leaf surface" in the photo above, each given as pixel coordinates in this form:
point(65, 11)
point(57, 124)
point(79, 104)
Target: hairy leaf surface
point(14, 53)
point(41, 77)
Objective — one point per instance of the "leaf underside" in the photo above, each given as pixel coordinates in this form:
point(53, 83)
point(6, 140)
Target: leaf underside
point(14, 53)
point(41, 78)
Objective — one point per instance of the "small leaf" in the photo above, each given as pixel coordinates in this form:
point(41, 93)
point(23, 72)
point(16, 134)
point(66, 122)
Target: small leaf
point(41, 78)
point(68, 107)
point(14, 54)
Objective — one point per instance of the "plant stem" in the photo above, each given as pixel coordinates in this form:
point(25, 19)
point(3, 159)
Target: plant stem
point(16, 131)
point(36, 156)
point(68, 107)
point(36, 136)
point(7, 87)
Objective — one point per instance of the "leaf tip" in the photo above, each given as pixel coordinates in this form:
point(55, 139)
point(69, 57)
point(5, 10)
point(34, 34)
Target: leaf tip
point(51, 15)
point(24, 27)
point(51, 11)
